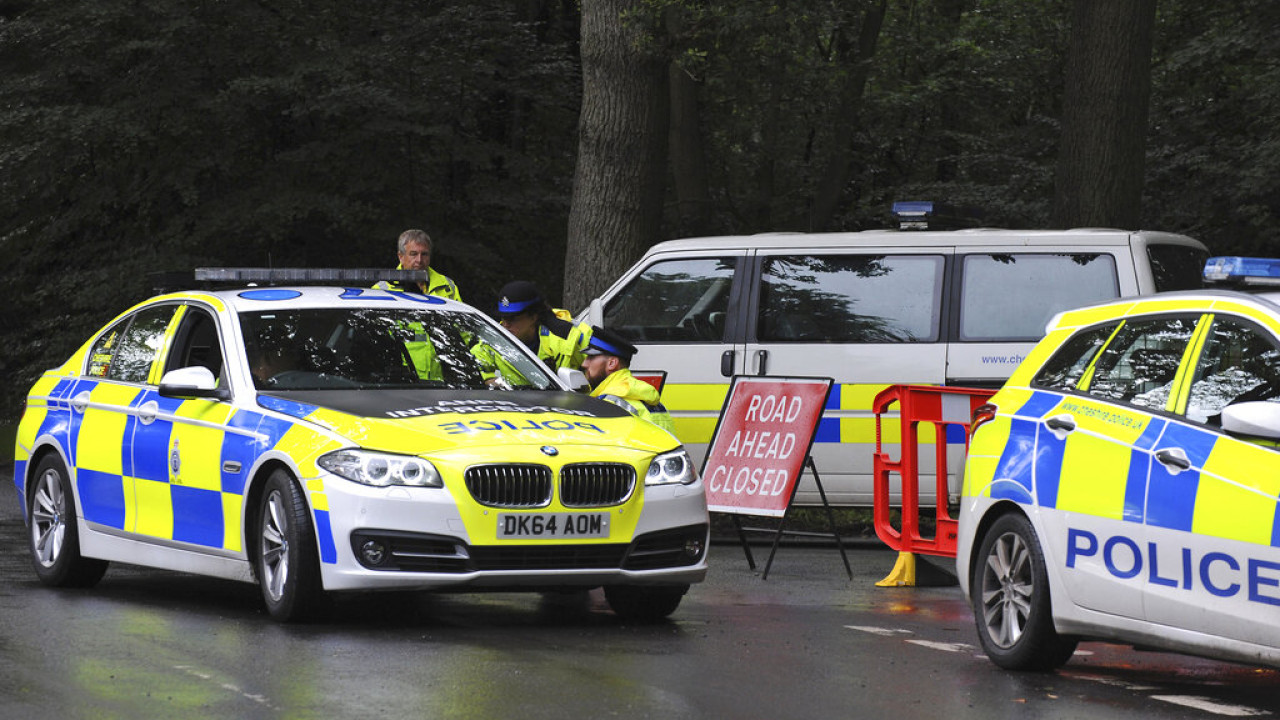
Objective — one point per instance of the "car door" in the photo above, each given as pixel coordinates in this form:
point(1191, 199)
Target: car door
point(1095, 451)
point(681, 312)
point(1211, 515)
point(105, 410)
point(868, 319)
point(189, 478)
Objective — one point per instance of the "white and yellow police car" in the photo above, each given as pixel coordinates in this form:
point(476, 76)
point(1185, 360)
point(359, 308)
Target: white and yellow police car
point(321, 439)
point(1123, 484)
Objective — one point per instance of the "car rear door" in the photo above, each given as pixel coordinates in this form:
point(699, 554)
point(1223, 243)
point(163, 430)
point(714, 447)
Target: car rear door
point(1096, 450)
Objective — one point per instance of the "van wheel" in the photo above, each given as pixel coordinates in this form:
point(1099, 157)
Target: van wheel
point(1010, 600)
point(288, 564)
point(54, 535)
point(644, 603)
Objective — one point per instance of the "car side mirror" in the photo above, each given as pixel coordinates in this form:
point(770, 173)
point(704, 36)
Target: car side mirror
point(192, 382)
point(1255, 419)
point(574, 379)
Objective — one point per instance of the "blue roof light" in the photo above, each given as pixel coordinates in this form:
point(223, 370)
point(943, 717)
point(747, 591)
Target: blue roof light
point(929, 215)
point(1242, 270)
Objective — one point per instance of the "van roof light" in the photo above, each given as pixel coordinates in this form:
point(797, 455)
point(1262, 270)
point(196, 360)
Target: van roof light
point(1247, 271)
point(929, 215)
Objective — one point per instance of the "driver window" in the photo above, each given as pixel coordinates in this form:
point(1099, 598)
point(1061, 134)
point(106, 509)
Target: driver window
point(196, 343)
point(675, 301)
point(1239, 364)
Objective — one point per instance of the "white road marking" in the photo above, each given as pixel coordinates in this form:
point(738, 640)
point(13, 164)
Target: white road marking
point(945, 647)
point(884, 632)
point(261, 700)
point(1208, 705)
point(1198, 703)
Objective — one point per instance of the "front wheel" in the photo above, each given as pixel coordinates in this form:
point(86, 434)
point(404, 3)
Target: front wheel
point(54, 536)
point(1011, 603)
point(644, 603)
point(287, 562)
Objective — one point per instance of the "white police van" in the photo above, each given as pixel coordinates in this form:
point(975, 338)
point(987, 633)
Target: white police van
point(869, 309)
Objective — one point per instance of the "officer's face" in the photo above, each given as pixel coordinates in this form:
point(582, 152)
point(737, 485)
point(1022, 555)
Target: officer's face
point(416, 256)
point(598, 367)
point(523, 326)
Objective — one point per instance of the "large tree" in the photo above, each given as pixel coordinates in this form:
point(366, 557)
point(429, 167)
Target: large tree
point(616, 210)
point(1104, 119)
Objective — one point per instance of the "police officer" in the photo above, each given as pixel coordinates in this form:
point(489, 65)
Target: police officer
point(607, 366)
point(550, 332)
point(414, 250)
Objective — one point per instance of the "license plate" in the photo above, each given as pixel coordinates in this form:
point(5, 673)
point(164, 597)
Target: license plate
point(557, 526)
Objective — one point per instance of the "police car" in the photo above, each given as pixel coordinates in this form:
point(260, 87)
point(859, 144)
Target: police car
point(1123, 483)
point(322, 439)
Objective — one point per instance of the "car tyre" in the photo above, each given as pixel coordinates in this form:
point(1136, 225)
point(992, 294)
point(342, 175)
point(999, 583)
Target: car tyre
point(53, 532)
point(1010, 597)
point(644, 603)
point(287, 563)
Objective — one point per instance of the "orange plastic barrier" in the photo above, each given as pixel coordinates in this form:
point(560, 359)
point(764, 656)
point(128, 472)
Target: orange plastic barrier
point(943, 407)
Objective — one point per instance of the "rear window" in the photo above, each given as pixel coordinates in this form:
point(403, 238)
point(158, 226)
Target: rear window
point(1011, 297)
point(1177, 267)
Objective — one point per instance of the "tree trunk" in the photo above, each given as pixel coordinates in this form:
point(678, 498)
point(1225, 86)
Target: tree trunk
point(836, 172)
point(687, 153)
point(1104, 118)
point(616, 208)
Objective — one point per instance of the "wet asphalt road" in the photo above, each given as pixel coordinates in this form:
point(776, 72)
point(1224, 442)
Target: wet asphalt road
point(805, 643)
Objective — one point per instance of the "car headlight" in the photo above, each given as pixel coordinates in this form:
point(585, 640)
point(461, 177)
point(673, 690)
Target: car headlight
point(671, 467)
point(381, 469)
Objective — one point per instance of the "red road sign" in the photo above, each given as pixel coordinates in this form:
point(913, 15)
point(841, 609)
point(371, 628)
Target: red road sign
point(761, 442)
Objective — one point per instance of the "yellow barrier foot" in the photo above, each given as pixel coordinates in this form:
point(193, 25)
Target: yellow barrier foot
point(903, 573)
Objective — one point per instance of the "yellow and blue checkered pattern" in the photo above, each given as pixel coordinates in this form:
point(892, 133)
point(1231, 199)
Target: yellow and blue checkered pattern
point(165, 467)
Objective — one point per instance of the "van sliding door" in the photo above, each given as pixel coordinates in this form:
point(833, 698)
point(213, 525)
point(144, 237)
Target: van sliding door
point(868, 319)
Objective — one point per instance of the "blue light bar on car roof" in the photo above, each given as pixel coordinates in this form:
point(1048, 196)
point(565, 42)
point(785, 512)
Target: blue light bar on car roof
point(1242, 271)
point(307, 275)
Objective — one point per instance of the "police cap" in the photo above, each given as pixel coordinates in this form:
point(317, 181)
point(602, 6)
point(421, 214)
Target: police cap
point(607, 342)
point(518, 296)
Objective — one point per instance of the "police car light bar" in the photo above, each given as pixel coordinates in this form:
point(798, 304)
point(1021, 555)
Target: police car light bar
point(307, 275)
point(1243, 271)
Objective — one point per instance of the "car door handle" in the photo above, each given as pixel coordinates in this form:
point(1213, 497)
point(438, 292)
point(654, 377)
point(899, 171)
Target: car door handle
point(762, 362)
point(80, 402)
point(726, 363)
point(1174, 458)
point(1060, 425)
point(147, 412)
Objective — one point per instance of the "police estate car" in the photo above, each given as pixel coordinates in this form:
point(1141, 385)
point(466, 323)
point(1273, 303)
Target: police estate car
point(317, 439)
point(1123, 484)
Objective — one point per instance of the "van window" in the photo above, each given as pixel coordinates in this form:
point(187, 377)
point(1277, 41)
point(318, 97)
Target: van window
point(1011, 297)
point(1177, 267)
point(850, 298)
point(675, 301)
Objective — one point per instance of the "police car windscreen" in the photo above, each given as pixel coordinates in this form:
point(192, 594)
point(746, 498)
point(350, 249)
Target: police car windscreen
point(348, 348)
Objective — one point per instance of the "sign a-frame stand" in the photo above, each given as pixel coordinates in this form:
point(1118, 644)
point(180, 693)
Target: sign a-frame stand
point(760, 447)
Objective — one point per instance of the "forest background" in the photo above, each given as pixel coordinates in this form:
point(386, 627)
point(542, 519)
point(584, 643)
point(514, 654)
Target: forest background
point(139, 136)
